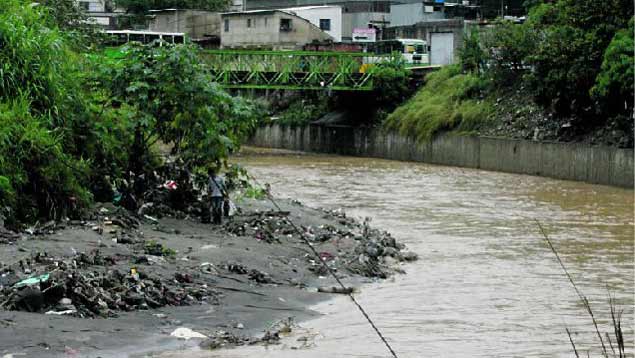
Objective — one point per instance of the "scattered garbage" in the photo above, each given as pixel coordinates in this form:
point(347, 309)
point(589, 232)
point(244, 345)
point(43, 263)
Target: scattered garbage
point(186, 333)
point(89, 285)
point(32, 280)
point(340, 290)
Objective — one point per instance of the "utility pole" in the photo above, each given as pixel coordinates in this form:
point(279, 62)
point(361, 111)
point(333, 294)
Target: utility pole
point(502, 10)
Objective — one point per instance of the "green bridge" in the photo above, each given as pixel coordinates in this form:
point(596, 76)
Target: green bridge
point(294, 70)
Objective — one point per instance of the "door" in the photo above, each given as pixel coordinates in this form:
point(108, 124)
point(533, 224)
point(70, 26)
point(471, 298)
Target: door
point(441, 48)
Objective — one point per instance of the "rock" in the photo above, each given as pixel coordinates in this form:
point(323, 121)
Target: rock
point(410, 256)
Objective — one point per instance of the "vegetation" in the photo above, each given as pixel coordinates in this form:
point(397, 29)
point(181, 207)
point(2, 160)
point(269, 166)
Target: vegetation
point(446, 102)
point(72, 124)
point(142, 6)
point(390, 88)
point(570, 63)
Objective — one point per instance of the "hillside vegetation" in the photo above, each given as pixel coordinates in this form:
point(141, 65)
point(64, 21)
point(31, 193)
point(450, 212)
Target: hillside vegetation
point(565, 74)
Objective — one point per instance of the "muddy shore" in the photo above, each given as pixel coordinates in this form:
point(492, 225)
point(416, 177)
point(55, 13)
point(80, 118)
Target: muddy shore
point(231, 284)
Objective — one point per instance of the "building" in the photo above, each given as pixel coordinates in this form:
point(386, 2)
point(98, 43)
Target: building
point(103, 13)
point(356, 14)
point(202, 27)
point(268, 29)
point(428, 10)
point(327, 18)
point(444, 37)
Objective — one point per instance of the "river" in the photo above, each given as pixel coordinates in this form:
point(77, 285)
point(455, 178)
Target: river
point(486, 283)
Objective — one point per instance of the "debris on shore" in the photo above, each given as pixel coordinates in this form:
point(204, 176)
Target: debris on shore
point(115, 261)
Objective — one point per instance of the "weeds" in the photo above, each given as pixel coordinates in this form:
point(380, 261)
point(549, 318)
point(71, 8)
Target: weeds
point(448, 101)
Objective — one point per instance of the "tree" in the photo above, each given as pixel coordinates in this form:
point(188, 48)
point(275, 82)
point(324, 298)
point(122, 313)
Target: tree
point(142, 6)
point(572, 36)
point(471, 55)
point(614, 86)
point(175, 102)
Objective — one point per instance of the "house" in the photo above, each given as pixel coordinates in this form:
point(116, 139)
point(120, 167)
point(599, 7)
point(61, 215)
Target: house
point(202, 27)
point(327, 18)
point(268, 29)
point(103, 13)
point(431, 10)
point(355, 13)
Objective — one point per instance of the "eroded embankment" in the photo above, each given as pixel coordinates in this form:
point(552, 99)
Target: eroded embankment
point(120, 283)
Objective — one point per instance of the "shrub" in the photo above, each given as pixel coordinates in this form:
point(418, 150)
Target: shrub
point(37, 178)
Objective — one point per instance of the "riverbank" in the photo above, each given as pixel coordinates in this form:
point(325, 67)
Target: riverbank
point(580, 162)
point(128, 283)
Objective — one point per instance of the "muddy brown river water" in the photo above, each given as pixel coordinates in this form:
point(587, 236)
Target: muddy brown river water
point(486, 284)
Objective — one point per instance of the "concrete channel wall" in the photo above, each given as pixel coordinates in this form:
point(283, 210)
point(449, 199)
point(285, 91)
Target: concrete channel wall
point(593, 164)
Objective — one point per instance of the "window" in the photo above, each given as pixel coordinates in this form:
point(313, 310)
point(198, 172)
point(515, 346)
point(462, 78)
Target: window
point(226, 25)
point(285, 24)
point(325, 24)
point(84, 5)
point(248, 22)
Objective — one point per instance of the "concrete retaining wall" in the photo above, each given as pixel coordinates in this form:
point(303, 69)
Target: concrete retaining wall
point(593, 164)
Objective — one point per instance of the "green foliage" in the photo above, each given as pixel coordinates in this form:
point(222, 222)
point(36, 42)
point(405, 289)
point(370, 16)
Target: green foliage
point(303, 110)
point(472, 55)
point(41, 113)
point(67, 16)
point(142, 6)
point(508, 47)
point(572, 36)
point(444, 103)
point(173, 100)
point(152, 247)
point(614, 84)
point(33, 60)
point(39, 179)
point(390, 84)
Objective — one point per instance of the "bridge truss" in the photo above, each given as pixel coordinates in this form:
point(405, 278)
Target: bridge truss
point(294, 70)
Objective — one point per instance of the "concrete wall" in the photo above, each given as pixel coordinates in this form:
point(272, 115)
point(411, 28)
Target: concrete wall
point(593, 164)
point(196, 24)
point(410, 14)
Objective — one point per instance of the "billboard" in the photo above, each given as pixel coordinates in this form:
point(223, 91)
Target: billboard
point(364, 35)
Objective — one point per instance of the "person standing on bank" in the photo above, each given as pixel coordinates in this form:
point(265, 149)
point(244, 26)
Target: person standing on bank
point(216, 187)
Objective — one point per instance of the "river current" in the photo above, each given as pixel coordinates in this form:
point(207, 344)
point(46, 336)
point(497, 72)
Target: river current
point(486, 283)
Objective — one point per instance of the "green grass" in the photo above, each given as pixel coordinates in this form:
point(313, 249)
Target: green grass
point(449, 101)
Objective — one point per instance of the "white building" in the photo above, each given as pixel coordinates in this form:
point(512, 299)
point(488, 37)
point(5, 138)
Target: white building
point(101, 12)
point(326, 18)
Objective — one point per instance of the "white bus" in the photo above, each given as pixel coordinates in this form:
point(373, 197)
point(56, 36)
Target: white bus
point(413, 51)
point(120, 37)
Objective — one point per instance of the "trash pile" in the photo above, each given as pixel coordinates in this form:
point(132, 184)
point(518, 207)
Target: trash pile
point(91, 285)
point(267, 226)
point(272, 335)
point(253, 274)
